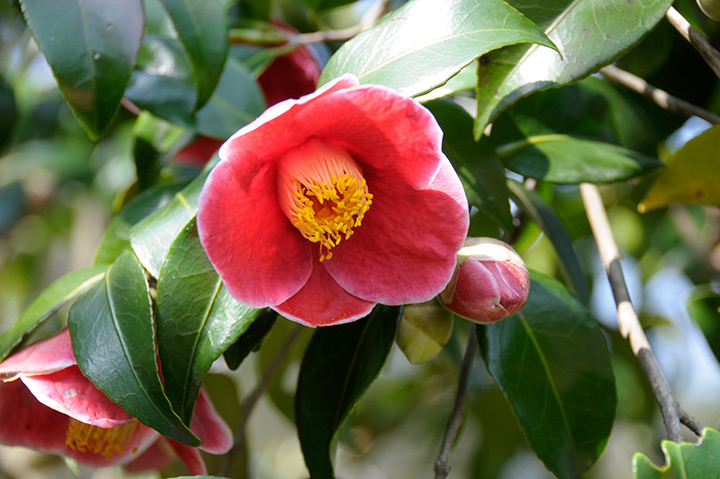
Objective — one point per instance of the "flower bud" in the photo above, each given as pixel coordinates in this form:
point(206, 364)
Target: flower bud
point(490, 282)
point(424, 330)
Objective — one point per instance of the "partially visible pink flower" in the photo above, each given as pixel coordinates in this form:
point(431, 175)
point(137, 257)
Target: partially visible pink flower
point(288, 76)
point(490, 283)
point(47, 404)
point(327, 205)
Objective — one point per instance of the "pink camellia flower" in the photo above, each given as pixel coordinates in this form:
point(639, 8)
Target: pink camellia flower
point(288, 76)
point(327, 205)
point(490, 283)
point(47, 404)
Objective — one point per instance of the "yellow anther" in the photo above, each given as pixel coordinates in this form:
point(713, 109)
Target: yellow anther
point(323, 193)
point(98, 440)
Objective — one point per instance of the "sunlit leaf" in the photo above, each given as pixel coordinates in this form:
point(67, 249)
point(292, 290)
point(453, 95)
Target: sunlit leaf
point(49, 301)
point(691, 175)
point(422, 44)
point(197, 319)
point(684, 460)
point(91, 46)
point(339, 365)
point(111, 326)
point(202, 28)
point(553, 365)
point(589, 35)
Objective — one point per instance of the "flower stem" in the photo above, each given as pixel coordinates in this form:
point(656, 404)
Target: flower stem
point(442, 468)
point(630, 328)
point(704, 48)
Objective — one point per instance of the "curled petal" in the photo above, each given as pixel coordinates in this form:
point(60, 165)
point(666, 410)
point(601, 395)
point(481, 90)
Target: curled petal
point(189, 456)
point(44, 357)
point(157, 456)
point(399, 258)
point(215, 436)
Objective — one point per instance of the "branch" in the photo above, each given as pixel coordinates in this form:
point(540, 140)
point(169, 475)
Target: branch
point(367, 21)
point(673, 415)
point(708, 52)
point(662, 98)
point(442, 468)
point(252, 399)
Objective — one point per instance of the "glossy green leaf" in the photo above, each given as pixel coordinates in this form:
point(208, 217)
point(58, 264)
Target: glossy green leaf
point(553, 365)
point(49, 301)
point(691, 175)
point(202, 28)
point(91, 46)
point(424, 43)
point(339, 365)
point(251, 339)
point(551, 224)
point(152, 237)
point(559, 158)
point(117, 235)
point(197, 319)
point(111, 325)
point(465, 79)
point(588, 34)
point(481, 172)
point(684, 460)
point(704, 308)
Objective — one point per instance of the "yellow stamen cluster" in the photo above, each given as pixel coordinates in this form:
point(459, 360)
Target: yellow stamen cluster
point(98, 440)
point(323, 193)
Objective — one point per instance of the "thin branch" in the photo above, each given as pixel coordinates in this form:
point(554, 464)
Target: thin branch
point(662, 98)
point(708, 52)
point(368, 20)
point(252, 399)
point(442, 468)
point(673, 415)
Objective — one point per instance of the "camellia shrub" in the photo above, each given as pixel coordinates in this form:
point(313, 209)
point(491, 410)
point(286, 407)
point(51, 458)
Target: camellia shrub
point(429, 238)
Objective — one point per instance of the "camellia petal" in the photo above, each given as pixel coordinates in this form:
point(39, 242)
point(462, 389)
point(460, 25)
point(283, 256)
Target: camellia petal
point(215, 436)
point(239, 223)
point(322, 302)
point(44, 357)
point(190, 457)
point(396, 257)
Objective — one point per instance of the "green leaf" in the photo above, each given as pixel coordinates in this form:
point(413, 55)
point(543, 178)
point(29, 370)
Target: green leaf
point(424, 43)
point(197, 319)
point(684, 460)
point(117, 235)
point(49, 301)
point(339, 365)
point(704, 308)
point(481, 172)
point(91, 46)
point(690, 176)
point(559, 158)
point(250, 339)
point(152, 237)
point(114, 343)
point(551, 224)
point(552, 364)
point(203, 30)
point(588, 34)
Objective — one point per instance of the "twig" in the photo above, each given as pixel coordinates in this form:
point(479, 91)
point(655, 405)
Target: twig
point(367, 21)
point(673, 415)
point(708, 52)
point(662, 98)
point(442, 468)
point(251, 401)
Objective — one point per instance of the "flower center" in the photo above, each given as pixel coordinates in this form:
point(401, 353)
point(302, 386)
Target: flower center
point(323, 193)
point(99, 440)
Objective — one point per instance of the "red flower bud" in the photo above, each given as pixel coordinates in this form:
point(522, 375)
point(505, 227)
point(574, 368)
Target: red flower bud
point(490, 282)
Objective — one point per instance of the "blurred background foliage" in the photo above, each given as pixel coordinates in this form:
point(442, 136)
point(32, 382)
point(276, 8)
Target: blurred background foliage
point(59, 189)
